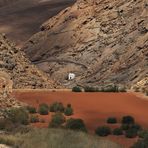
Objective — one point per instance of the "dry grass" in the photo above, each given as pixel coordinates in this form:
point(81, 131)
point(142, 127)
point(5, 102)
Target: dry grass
point(56, 138)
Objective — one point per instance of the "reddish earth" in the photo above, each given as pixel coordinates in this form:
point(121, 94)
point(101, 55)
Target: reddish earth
point(93, 108)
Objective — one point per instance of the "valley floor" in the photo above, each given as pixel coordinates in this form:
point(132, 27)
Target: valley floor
point(93, 108)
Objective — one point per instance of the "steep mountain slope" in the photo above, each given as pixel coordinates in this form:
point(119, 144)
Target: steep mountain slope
point(101, 41)
point(20, 19)
point(20, 70)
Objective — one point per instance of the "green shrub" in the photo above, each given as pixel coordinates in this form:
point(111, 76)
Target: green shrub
point(90, 89)
point(136, 127)
point(6, 124)
point(131, 133)
point(32, 110)
point(117, 131)
point(43, 109)
point(103, 131)
point(68, 111)
point(125, 127)
point(111, 120)
point(128, 120)
point(57, 107)
point(57, 120)
point(76, 124)
point(143, 133)
point(18, 115)
point(34, 119)
point(111, 88)
point(141, 143)
point(76, 89)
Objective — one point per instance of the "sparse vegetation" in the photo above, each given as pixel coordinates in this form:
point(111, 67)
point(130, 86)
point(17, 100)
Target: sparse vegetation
point(90, 89)
point(131, 133)
point(56, 138)
point(57, 120)
point(143, 133)
point(56, 107)
point(68, 110)
point(76, 124)
point(76, 89)
point(111, 120)
point(34, 119)
point(32, 110)
point(43, 109)
point(128, 120)
point(103, 131)
point(117, 131)
point(18, 116)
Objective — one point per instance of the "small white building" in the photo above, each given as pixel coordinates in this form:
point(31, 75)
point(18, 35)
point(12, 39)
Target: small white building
point(71, 76)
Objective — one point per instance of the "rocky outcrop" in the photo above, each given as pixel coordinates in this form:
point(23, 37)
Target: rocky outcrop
point(6, 99)
point(108, 37)
point(23, 74)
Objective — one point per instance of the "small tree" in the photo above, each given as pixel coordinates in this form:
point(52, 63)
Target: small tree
point(56, 107)
point(43, 109)
point(103, 131)
point(76, 124)
point(131, 133)
point(32, 110)
point(57, 120)
point(76, 89)
point(111, 120)
point(68, 110)
point(117, 131)
point(128, 120)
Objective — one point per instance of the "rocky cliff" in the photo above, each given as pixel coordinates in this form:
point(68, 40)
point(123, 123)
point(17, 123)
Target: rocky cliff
point(101, 41)
point(20, 70)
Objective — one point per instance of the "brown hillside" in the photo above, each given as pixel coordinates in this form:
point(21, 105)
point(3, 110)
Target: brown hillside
point(20, 19)
point(100, 41)
point(20, 70)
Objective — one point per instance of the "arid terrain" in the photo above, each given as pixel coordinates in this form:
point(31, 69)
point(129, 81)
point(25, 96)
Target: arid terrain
point(20, 19)
point(93, 108)
point(100, 41)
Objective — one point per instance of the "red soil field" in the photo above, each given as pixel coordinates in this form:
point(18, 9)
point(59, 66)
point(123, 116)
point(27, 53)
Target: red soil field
point(93, 108)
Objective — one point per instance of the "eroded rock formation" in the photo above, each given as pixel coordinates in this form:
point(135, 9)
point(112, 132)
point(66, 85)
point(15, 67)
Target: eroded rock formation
point(101, 41)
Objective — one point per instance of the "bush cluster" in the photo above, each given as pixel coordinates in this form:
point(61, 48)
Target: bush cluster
point(43, 109)
point(76, 89)
point(14, 118)
point(18, 115)
point(76, 124)
point(56, 107)
point(68, 110)
point(111, 120)
point(31, 110)
point(103, 131)
point(117, 131)
point(110, 88)
point(57, 120)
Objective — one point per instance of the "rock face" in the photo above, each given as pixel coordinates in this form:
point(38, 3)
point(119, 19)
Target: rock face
point(23, 74)
point(6, 100)
point(20, 19)
point(100, 41)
